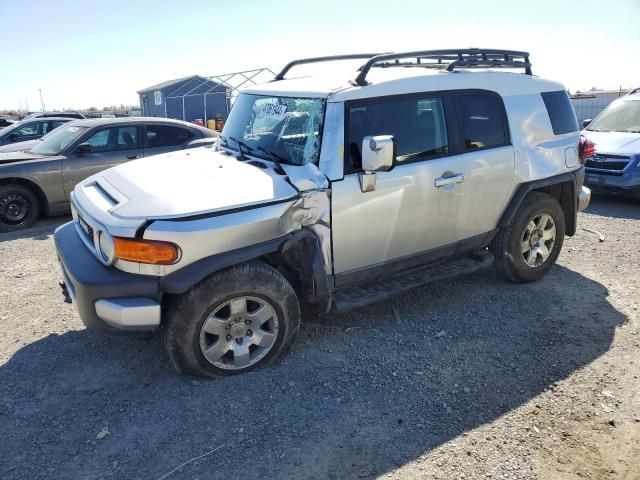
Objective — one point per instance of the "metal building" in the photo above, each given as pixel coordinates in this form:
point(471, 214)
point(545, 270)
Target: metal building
point(198, 97)
point(186, 98)
point(590, 104)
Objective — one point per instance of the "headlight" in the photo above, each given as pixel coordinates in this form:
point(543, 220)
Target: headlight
point(106, 247)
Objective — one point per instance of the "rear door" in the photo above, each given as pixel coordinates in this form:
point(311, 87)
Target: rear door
point(489, 160)
point(160, 138)
point(110, 146)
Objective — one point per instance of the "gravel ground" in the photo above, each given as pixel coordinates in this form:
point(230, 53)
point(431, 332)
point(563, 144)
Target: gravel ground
point(471, 378)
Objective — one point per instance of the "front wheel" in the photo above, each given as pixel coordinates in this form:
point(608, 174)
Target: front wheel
point(18, 208)
point(527, 248)
point(233, 322)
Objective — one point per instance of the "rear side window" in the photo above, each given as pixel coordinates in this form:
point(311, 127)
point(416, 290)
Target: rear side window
point(115, 138)
point(561, 113)
point(483, 122)
point(166, 136)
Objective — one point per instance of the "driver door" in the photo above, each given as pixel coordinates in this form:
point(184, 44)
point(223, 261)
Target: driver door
point(110, 146)
point(30, 131)
point(415, 206)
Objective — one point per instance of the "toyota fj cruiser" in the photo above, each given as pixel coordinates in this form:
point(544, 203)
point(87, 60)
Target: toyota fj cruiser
point(328, 193)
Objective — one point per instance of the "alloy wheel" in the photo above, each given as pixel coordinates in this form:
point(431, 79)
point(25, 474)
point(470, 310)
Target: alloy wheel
point(538, 239)
point(239, 333)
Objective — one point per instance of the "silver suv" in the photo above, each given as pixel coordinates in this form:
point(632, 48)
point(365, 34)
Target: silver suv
point(328, 193)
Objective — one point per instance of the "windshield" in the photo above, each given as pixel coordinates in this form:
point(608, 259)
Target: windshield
point(285, 129)
point(58, 140)
point(620, 116)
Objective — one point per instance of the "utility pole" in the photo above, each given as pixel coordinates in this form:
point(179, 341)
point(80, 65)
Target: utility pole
point(41, 101)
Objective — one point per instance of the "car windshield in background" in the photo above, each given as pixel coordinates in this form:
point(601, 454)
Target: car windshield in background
point(58, 140)
point(284, 129)
point(620, 116)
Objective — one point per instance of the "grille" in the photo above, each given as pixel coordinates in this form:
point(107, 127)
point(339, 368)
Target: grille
point(86, 229)
point(606, 162)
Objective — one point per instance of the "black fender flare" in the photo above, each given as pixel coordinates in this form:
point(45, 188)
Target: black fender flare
point(568, 201)
point(301, 249)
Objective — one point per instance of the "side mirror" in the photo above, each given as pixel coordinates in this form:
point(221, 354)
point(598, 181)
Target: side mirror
point(83, 148)
point(586, 122)
point(378, 153)
point(13, 137)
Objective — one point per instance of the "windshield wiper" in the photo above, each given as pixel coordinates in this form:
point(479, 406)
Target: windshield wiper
point(275, 158)
point(240, 146)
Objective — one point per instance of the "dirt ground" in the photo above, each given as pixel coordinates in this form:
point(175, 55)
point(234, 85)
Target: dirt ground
point(471, 378)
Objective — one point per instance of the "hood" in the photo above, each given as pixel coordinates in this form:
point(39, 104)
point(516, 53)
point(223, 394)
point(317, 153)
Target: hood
point(186, 183)
point(19, 146)
point(13, 157)
point(615, 143)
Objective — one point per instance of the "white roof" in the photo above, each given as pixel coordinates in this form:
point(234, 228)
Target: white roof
point(397, 80)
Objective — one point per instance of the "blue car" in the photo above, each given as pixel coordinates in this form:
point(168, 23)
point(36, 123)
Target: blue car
point(613, 163)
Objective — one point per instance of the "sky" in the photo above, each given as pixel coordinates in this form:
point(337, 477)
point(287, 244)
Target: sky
point(83, 53)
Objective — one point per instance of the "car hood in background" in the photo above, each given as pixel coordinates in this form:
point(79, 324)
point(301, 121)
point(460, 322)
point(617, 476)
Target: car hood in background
point(615, 143)
point(15, 157)
point(185, 183)
point(19, 146)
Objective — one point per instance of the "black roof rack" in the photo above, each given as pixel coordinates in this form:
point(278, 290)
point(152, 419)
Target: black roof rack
point(331, 58)
point(449, 59)
point(441, 59)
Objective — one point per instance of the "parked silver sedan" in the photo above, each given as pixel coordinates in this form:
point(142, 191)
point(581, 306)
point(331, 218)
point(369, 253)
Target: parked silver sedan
point(38, 182)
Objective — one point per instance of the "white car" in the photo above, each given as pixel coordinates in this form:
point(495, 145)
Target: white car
point(328, 193)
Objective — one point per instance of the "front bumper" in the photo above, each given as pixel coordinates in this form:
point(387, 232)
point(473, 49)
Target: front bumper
point(105, 298)
point(623, 183)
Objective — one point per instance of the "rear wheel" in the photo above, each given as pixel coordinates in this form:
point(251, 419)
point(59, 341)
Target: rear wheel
point(18, 207)
point(235, 321)
point(527, 248)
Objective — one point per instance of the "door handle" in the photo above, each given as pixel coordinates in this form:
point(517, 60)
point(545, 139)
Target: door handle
point(131, 156)
point(444, 181)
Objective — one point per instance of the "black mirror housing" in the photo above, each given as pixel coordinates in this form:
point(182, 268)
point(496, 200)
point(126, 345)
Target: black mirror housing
point(83, 148)
point(586, 122)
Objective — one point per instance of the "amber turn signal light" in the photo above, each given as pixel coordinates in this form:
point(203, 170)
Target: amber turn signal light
point(145, 251)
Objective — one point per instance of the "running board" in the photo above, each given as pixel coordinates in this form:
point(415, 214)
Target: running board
point(365, 293)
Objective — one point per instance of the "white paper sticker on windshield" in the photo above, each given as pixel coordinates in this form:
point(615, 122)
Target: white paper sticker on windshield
point(274, 110)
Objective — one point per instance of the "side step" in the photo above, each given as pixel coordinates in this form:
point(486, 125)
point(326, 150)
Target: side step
point(365, 293)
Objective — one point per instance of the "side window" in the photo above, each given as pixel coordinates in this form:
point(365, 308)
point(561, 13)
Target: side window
point(99, 141)
point(126, 138)
point(417, 124)
point(30, 130)
point(166, 136)
point(115, 138)
point(482, 122)
point(55, 124)
point(561, 112)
